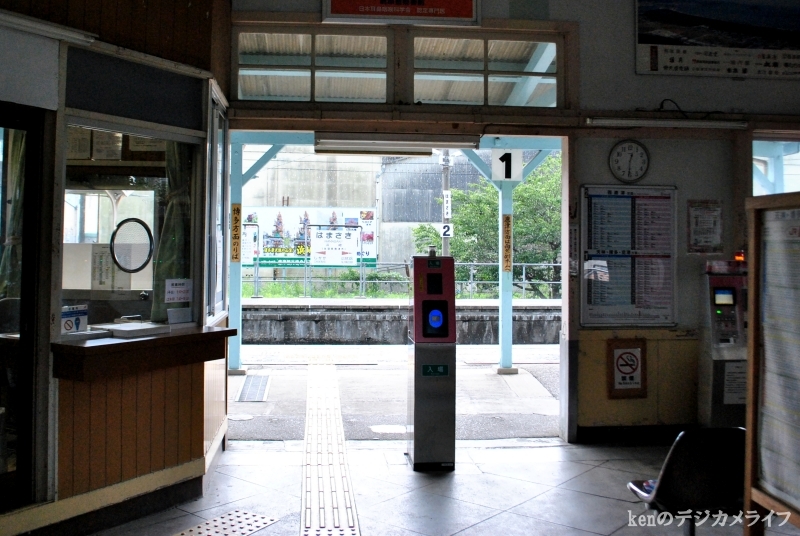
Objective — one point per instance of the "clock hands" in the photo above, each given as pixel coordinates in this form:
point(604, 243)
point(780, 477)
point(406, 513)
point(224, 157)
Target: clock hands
point(630, 160)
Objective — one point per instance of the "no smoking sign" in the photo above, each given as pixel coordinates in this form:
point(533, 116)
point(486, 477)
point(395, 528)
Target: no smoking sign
point(627, 368)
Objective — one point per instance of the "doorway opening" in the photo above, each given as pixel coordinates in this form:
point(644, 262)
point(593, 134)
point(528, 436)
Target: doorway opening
point(299, 312)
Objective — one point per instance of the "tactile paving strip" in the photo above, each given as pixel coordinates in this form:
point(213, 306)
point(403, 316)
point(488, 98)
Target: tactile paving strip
point(328, 504)
point(236, 523)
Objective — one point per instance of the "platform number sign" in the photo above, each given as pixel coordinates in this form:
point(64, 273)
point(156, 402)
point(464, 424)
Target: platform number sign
point(507, 164)
point(445, 230)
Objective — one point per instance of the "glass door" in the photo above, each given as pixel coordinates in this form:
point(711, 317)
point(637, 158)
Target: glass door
point(20, 173)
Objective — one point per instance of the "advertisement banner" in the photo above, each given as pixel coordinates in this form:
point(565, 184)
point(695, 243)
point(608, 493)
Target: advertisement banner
point(456, 11)
point(742, 39)
point(284, 235)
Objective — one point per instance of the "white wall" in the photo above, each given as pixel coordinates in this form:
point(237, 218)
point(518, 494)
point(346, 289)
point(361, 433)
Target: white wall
point(699, 169)
point(28, 69)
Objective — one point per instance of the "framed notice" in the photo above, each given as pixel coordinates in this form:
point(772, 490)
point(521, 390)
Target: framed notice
point(775, 352)
point(460, 12)
point(704, 226)
point(626, 368)
point(742, 39)
point(628, 256)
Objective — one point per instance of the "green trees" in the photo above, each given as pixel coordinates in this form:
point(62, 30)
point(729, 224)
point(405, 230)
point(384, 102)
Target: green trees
point(537, 229)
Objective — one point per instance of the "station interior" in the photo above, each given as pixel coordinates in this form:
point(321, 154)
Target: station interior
point(397, 268)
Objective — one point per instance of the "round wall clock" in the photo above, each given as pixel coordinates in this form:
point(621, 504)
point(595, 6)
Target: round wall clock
point(628, 161)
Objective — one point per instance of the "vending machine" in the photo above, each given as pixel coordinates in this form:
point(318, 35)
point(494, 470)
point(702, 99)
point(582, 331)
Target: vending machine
point(722, 370)
point(432, 365)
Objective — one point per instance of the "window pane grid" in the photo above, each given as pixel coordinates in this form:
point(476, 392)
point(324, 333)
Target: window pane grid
point(341, 68)
point(515, 72)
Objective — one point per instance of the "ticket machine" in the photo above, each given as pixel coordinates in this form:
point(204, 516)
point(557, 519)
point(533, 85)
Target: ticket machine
point(722, 370)
point(432, 364)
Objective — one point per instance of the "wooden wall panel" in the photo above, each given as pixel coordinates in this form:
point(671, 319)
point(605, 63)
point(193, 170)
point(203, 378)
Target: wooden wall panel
point(177, 30)
point(65, 432)
point(81, 437)
point(120, 428)
point(128, 427)
point(113, 431)
point(143, 411)
point(198, 406)
point(184, 414)
point(157, 420)
point(97, 435)
point(171, 403)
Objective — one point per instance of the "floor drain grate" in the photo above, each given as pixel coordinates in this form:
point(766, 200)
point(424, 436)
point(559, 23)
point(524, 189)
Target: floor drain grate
point(236, 523)
point(254, 389)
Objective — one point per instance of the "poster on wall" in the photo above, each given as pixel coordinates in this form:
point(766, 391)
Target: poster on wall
point(628, 256)
point(463, 12)
point(284, 237)
point(741, 39)
point(704, 226)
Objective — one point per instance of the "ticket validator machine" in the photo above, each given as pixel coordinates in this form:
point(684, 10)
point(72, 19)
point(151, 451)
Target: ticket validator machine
point(432, 365)
point(722, 370)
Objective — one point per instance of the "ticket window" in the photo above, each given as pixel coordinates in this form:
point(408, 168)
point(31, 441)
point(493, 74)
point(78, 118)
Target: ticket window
point(112, 177)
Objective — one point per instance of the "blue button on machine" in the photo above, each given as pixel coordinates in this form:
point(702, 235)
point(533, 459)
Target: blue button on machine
point(435, 318)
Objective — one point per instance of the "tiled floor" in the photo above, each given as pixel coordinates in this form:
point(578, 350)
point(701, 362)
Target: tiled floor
point(499, 488)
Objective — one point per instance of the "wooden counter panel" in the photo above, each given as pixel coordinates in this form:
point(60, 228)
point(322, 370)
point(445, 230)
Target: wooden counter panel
point(115, 429)
point(108, 358)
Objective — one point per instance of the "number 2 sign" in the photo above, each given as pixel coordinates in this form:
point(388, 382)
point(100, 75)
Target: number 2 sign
point(445, 230)
point(507, 164)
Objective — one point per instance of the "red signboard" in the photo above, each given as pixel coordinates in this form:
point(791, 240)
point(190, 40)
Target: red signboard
point(461, 10)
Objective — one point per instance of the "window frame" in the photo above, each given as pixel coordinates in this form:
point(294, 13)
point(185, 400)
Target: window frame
point(97, 121)
point(487, 35)
point(313, 31)
point(400, 65)
point(216, 307)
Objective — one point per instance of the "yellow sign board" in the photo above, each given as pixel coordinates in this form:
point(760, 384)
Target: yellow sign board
point(508, 255)
point(236, 232)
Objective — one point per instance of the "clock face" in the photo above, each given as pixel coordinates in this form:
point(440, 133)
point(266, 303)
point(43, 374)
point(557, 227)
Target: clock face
point(629, 161)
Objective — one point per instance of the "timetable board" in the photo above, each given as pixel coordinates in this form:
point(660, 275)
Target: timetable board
point(628, 263)
point(779, 411)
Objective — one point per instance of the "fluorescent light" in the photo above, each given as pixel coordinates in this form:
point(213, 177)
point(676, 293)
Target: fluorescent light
point(389, 144)
point(664, 123)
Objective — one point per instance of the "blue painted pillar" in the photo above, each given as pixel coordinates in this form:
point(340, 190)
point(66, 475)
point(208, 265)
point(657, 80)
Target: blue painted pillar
point(235, 305)
point(506, 277)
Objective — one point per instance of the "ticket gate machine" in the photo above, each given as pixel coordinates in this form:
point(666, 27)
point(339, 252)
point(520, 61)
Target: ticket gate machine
point(722, 370)
point(432, 365)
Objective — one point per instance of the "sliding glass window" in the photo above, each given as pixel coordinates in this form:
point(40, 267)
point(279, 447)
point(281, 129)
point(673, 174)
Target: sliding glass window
point(127, 230)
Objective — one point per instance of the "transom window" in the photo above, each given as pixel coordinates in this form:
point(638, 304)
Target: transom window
point(295, 66)
point(359, 65)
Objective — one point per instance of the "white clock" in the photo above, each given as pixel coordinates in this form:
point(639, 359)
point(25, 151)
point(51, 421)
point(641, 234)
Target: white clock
point(628, 161)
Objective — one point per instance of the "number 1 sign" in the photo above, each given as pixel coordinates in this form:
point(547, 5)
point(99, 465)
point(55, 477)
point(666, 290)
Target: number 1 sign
point(507, 164)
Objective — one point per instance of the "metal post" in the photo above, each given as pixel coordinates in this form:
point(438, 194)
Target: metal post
point(235, 311)
point(445, 188)
point(523, 282)
point(506, 283)
point(256, 263)
point(471, 280)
